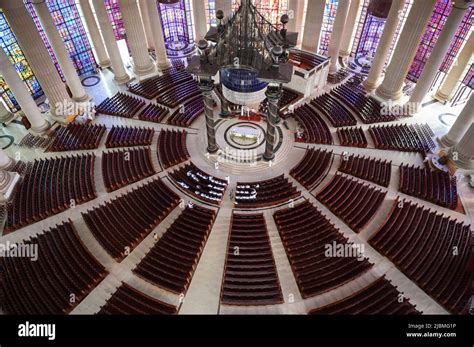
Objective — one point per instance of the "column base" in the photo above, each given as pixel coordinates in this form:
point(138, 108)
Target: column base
point(8, 182)
point(9, 165)
point(122, 79)
point(83, 98)
point(268, 157)
point(344, 54)
point(369, 86)
point(441, 97)
point(58, 118)
point(211, 149)
point(445, 141)
point(462, 161)
point(7, 118)
point(41, 129)
point(105, 64)
point(163, 65)
point(144, 72)
point(386, 95)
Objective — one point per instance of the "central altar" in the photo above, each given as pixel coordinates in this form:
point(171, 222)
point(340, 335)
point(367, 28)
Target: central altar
point(246, 135)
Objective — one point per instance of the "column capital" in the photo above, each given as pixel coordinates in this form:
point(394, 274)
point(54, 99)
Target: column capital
point(206, 85)
point(273, 92)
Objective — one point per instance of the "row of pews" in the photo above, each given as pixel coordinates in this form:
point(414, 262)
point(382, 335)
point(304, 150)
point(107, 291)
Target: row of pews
point(124, 136)
point(123, 167)
point(51, 186)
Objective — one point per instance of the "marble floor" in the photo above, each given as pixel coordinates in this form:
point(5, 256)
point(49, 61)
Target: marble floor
point(203, 295)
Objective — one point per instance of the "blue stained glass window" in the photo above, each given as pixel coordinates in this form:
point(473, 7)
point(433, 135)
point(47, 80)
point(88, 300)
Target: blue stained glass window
point(211, 13)
point(176, 20)
point(10, 45)
point(69, 25)
point(371, 33)
point(368, 30)
point(328, 22)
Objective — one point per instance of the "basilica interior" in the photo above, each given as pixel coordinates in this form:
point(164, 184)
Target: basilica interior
point(179, 157)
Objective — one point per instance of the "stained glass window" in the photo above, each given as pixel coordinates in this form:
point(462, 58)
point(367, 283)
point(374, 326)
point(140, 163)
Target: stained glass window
point(29, 6)
point(272, 10)
point(431, 35)
point(360, 26)
point(189, 19)
point(458, 40)
point(371, 30)
point(68, 22)
point(10, 45)
point(177, 24)
point(211, 13)
point(8, 96)
point(464, 90)
point(468, 80)
point(115, 18)
point(328, 22)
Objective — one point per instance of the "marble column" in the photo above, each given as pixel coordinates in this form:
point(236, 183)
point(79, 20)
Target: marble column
point(383, 49)
point(142, 62)
point(72, 79)
point(200, 21)
point(446, 90)
point(207, 86)
point(459, 127)
point(224, 5)
point(38, 123)
point(37, 55)
point(350, 27)
point(121, 75)
point(437, 55)
point(225, 111)
point(408, 43)
point(273, 94)
point(146, 22)
point(313, 25)
point(5, 114)
point(162, 61)
point(463, 153)
point(337, 34)
point(101, 53)
point(6, 163)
